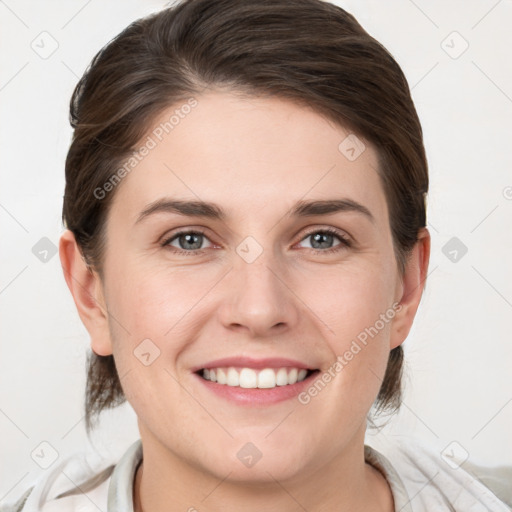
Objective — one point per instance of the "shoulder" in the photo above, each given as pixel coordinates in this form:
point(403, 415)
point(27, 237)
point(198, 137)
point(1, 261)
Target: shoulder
point(78, 483)
point(442, 475)
point(17, 506)
point(77, 499)
point(496, 478)
point(83, 482)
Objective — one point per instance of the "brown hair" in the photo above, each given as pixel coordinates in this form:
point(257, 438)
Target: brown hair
point(308, 51)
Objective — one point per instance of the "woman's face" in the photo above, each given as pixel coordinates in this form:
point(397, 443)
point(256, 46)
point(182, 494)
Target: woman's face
point(261, 289)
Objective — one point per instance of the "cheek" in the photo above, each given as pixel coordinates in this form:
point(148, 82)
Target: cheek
point(152, 302)
point(150, 326)
point(156, 313)
point(356, 308)
point(349, 299)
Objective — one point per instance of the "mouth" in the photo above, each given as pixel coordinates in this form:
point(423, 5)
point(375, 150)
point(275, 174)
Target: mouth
point(260, 382)
point(252, 378)
point(244, 381)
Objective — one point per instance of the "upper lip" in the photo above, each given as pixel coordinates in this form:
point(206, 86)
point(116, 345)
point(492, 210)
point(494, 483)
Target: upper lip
point(249, 362)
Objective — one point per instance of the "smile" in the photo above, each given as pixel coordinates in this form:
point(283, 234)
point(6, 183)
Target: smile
point(249, 378)
point(255, 382)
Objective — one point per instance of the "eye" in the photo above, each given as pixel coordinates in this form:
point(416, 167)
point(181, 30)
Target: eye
point(321, 240)
point(189, 242)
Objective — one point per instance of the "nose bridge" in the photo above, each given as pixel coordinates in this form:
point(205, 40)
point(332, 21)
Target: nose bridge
point(259, 298)
point(259, 277)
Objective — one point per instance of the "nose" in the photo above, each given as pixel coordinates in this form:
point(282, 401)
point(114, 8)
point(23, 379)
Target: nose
point(257, 298)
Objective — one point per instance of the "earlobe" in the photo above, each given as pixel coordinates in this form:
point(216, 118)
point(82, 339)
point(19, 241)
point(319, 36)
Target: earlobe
point(86, 288)
point(411, 289)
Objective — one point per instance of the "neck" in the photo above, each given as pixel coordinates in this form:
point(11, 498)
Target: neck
point(345, 484)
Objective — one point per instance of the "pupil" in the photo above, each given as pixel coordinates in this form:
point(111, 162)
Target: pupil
point(318, 236)
point(190, 236)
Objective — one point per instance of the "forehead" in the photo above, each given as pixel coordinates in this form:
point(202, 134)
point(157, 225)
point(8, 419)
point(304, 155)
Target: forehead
point(248, 154)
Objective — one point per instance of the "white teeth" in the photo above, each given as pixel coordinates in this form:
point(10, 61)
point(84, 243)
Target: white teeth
point(250, 378)
point(267, 378)
point(221, 376)
point(233, 377)
point(282, 377)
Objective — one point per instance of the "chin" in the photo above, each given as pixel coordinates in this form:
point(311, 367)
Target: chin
point(256, 460)
point(262, 472)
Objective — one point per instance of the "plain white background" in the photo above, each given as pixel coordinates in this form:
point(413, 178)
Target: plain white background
point(458, 383)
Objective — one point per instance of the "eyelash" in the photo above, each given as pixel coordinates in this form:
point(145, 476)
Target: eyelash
point(345, 241)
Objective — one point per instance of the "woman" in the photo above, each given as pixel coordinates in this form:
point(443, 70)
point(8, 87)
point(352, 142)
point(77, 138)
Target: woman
point(246, 246)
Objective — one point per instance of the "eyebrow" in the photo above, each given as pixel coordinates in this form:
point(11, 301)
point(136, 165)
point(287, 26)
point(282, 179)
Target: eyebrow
point(212, 211)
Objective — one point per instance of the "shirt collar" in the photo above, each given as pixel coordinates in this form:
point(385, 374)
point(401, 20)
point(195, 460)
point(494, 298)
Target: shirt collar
point(120, 490)
point(382, 464)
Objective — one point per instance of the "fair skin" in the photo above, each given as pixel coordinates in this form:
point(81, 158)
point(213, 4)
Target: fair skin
point(254, 158)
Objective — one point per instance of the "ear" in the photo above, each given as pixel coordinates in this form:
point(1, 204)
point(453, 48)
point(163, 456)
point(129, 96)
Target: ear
point(86, 288)
point(410, 289)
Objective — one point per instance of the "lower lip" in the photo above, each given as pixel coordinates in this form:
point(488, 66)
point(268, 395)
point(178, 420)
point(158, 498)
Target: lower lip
point(257, 396)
